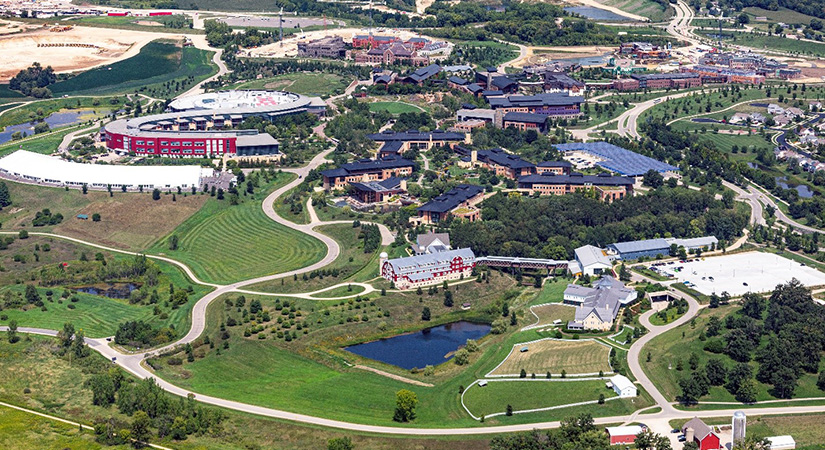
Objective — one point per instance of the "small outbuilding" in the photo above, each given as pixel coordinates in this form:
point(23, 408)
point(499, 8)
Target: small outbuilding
point(623, 435)
point(781, 442)
point(623, 386)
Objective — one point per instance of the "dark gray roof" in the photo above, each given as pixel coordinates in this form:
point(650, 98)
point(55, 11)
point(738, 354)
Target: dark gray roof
point(474, 88)
point(500, 157)
point(502, 82)
point(561, 79)
point(525, 117)
point(429, 263)
point(548, 99)
point(415, 135)
point(390, 184)
point(392, 147)
point(367, 165)
point(458, 80)
point(700, 429)
point(424, 73)
point(451, 199)
point(644, 245)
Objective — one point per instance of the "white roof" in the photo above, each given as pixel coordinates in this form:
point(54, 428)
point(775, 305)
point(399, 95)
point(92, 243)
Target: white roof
point(781, 441)
point(44, 168)
point(589, 255)
point(621, 382)
point(630, 430)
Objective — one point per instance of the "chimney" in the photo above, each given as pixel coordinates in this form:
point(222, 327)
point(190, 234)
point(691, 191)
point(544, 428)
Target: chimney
point(404, 185)
point(474, 156)
point(689, 435)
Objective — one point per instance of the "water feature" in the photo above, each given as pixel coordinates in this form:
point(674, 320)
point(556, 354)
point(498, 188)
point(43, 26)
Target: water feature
point(594, 13)
point(111, 290)
point(804, 191)
point(54, 120)
point(430, 346)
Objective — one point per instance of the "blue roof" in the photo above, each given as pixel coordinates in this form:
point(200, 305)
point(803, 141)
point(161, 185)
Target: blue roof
point(617, 159)
point(451, 199)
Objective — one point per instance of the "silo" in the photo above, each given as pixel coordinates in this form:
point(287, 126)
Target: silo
point(739, 426)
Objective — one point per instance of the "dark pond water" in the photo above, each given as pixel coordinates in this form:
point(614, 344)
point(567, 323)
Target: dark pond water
point(116, 290)
point(426, 347)
point(54, 120)
point(597, 13)
point(804, 191)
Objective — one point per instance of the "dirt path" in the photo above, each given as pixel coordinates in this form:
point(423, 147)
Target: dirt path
point(393, 376)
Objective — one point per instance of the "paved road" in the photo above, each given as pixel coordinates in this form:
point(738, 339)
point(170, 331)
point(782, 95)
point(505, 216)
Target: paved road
point(200, 42)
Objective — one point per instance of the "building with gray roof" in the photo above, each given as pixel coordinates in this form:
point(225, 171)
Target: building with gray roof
point(598, 306)
point(427, 269)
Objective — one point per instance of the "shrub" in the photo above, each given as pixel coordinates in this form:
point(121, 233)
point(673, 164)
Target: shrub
point(174, 361)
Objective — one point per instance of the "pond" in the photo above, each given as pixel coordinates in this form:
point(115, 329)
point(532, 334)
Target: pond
point(430, 346)
point(111, 290)
point(54, 120)
point(804, 191)
point(596, 13)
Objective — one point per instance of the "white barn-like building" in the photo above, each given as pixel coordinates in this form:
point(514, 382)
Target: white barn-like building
point(623, 387)
point(590, 260)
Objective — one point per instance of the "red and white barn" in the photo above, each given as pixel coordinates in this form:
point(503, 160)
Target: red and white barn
point(697, 431)
point(623, 435)
point(427, 269)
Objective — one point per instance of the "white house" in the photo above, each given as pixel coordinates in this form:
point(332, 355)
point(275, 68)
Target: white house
point(591, 261)
point(775, 109)
point(623, 387)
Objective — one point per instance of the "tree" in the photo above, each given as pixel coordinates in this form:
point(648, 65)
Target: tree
point(79, 347)
point(743, 19)
point(653, 179)
point(820, 382)
point(96, 217)
point(648, 440)
point(624, 274)
point(405, 402)
point(12, 333)
point(509, 411)
point(103, 389)
point(65, 335)
point(425, 313)
point(753, 305)
point(462, 357)
point(342, 443)
point(23, 234)
point(5, 197)
point(448, 298)
point(784, 382)
point(716, 372)
point(746, 393)
point(140, 429)
point(752, 443)
point(173, 242)
point(156, 194)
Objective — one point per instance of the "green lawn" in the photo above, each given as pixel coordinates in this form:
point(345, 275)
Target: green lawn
point(645, 8)
point(571, 356)
point(341, 291)
point(394, 107)
point(22, 431)
point(317, 84)
point(783, 15)
point(353, 265)
point(223, 243)
point(130, 23)
point(761, 41)
point(551, 292)
point(157, 63)
point(649, 273)
point(45, 143)
point(522, 395)
point(547, 314)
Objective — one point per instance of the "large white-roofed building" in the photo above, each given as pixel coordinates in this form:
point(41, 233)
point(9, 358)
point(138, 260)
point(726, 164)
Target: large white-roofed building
point(427, 269)
point(590, 260)
point(47, 170)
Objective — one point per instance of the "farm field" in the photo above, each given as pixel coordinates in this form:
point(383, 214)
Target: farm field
point(572, 356)
point(315, 84)
point(223, 243)
point(157, 63)
point(394, 108)
point(57, 387)
point(130, 221)
point(529, 394)
point(353, 264)
point(548, 313)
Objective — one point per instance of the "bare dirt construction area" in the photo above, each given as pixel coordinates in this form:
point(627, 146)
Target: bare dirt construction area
point(290, 46)
point(541, 55)
point(131, 221)
point(75, 48)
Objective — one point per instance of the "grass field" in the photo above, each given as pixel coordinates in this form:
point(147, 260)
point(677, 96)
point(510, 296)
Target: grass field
point(57, 388)
point(157, 63)
point(131, 23)
point(551, 292)
point(341, 291)
point(223, 243)
point(128, 220)
point(21, 430)
point(645, 8)
point(394, 108)
point(25, 113)
point(319, 84)
point(522, 395)
point(353, 264)
point(548, 313)
point(45, 143)
point(572, 356)
point(760, 41)
point(783, 15)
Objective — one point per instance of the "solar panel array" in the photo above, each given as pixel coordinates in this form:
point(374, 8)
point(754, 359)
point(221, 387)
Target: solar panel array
point(617, 159)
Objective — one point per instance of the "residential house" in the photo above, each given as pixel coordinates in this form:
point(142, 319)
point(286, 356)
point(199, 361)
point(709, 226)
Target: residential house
point(600, 304)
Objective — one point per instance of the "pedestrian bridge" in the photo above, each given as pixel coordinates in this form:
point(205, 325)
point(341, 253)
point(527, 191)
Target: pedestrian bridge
point(522, 263)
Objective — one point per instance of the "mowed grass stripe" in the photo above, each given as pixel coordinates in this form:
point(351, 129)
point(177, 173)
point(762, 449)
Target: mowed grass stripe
point(224, 244)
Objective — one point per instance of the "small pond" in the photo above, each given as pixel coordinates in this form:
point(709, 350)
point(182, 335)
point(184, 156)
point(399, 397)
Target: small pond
point(804, 191)
point(430, 346)
point(596, 13)
point(111, 290)
point(54, 120)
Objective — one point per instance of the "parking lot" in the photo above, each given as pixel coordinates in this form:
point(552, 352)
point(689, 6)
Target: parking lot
point(741, 273)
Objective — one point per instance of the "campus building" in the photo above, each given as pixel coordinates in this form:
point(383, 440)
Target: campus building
point(561, 82)
point(607, 187)
point(427, 269)
point(202, 126)
point(525, 121)
point(369, 41)
point(431, 242)
point(597, 307)
point(554, 104)
point(378, 191)
point(459, 202)
point(659, 247)
point(389, 54)
point(590, 260)
point(394, 143)
point(554, 167)
point(497, 160)
point(366, 171)
point(326, 47)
